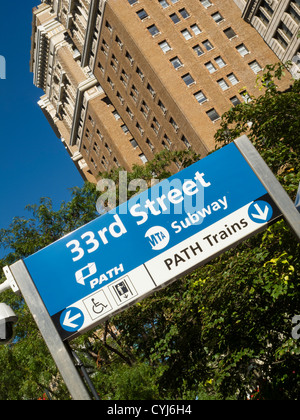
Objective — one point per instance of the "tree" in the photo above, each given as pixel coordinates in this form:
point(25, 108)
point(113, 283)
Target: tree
point(29, 369)
point(225, 330)
point(272, 123)
point(269, 268)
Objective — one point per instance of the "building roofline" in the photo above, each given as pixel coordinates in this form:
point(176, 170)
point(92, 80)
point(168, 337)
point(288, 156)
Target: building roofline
point(35, 11)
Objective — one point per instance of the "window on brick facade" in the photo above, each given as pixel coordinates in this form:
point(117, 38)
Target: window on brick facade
point(165, 47)
point(213, 115)
point(142, 14)
point(229, 32)
point(188, 79)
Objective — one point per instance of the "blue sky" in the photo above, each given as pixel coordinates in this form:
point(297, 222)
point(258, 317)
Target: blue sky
point(34, 163)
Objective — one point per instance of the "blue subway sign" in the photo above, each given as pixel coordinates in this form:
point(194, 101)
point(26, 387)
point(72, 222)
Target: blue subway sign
point(150, 241)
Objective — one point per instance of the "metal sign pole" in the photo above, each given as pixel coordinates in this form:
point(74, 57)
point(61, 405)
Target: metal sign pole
point(270, 182)
point(56, 346)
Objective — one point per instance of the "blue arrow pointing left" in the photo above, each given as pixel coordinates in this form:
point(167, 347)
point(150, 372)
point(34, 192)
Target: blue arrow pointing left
point(72, 319)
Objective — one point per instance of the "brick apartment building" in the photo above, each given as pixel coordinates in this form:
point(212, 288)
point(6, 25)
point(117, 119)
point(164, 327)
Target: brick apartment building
point(124, 79)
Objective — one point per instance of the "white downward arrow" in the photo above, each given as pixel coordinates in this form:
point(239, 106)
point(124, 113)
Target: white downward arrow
point(68, 322)
point(262, 215)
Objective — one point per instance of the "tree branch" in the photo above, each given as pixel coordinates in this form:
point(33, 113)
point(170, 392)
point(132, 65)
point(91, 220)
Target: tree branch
point(117, 352)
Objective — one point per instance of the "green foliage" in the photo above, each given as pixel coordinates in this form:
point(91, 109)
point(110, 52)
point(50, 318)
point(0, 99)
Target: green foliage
point(223, 332)
point(135, 382)
point(29, 369)
point(272, 123)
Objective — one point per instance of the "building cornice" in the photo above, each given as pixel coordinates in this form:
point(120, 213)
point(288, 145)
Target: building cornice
point(36, 11)
point(41, 37)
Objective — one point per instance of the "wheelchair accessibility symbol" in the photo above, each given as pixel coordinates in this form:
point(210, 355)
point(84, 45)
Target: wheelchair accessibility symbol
point(97, 305)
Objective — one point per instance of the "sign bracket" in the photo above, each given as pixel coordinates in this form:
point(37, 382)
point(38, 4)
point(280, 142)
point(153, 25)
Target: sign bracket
point(270, 182)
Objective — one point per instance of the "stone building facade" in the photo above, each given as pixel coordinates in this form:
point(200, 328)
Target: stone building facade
point(278, 23)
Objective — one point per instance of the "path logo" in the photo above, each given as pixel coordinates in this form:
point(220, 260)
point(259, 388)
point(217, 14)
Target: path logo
point(158, 237)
